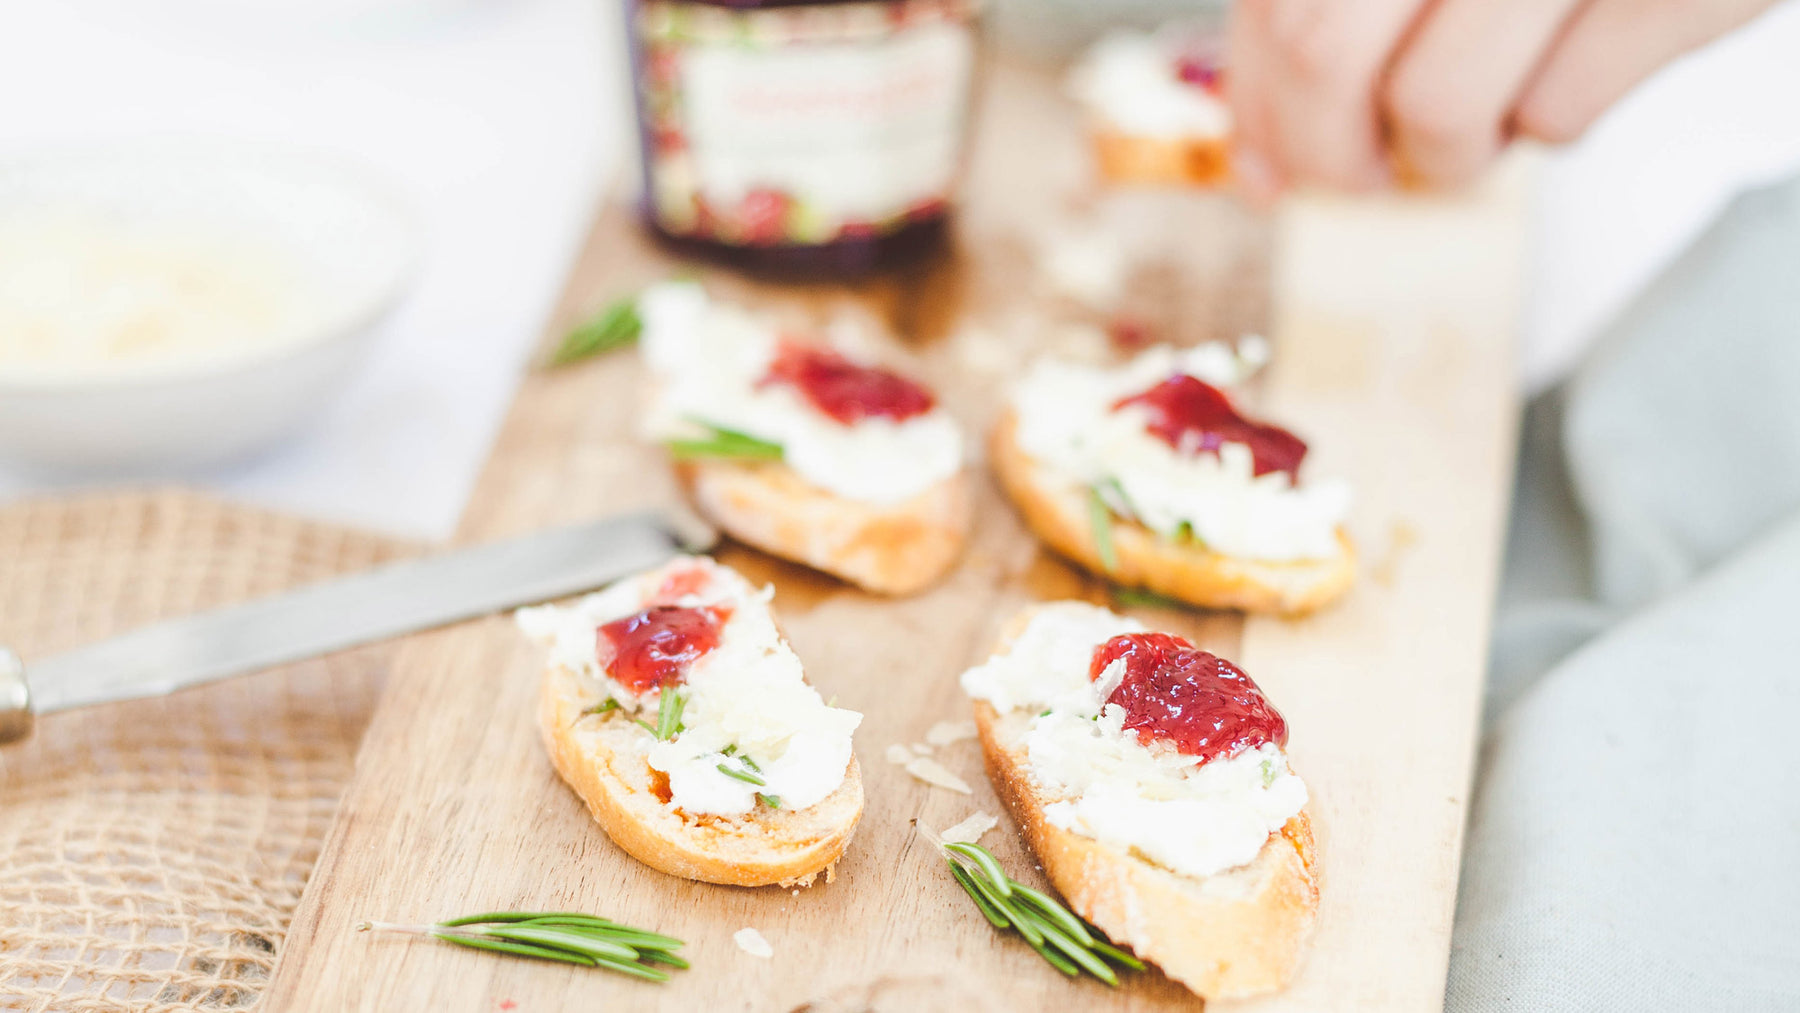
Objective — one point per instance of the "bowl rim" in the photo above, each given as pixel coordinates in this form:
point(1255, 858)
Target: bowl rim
point(329, 167)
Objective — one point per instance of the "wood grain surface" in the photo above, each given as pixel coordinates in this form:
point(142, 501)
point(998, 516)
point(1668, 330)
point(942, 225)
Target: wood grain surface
point(1392, 325)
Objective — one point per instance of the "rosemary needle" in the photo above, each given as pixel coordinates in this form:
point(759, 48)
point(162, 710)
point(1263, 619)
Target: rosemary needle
point(725, 443)
point(742, 775)
point(1100, 522)
point(566, 936)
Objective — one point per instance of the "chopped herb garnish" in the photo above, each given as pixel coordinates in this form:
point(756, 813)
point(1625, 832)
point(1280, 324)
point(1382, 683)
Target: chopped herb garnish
point(669, 706)
point(606, 706)
point(1100, 519)
point(772, 801)
point(1269, 773)
point(728, 444)
point(1112, 493)
point(743, 775)
point(566, 937)
point(1131, 597)
point(616, 326)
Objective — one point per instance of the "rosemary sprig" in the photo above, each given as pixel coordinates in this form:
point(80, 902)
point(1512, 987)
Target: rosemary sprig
point(606, 706)
point(1100, 520)
point(728, 444)
point(615, 326)
point(565, 936)
point(669, 705)
point(1066, 942)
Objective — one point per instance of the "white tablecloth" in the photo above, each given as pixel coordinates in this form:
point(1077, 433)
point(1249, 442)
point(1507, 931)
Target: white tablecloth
point(1637, 811)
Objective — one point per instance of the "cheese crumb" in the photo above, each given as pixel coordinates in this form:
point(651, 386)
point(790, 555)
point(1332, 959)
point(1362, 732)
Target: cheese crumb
point(921, 748)
point(932, 772)
point(945, 733)
point(970, 829)
point(752, 942)
point(898, 753)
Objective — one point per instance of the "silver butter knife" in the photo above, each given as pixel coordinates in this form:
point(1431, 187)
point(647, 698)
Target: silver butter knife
point(398, 598)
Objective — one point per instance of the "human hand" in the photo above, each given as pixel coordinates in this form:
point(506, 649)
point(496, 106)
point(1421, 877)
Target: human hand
point(1355, 94)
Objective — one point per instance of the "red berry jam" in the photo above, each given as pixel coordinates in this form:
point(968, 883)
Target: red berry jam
point(1201, 704)
point(1201, 72)
point(654, 648)
point(844, 390)
point(1197, 418)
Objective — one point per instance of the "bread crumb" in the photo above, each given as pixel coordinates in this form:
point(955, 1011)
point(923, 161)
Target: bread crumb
point(898, 753)
point(970, 829)
point(946, 732)
point(921, 748)
point(932, 772)
point(752, 942)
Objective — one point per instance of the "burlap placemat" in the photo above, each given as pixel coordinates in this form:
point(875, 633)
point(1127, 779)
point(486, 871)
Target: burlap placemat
point(152, 853)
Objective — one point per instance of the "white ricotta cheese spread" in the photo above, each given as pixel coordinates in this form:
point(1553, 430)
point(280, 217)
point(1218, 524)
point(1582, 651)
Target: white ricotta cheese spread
point(710, 358)
point(1128, 80)
point(746, 695)
point(1169, 808)
point(1066, 423)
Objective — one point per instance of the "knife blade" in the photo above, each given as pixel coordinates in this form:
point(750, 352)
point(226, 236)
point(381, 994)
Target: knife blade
point(398, 598)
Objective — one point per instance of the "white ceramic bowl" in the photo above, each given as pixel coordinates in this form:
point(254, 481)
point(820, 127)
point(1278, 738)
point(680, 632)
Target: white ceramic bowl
point(353, 245)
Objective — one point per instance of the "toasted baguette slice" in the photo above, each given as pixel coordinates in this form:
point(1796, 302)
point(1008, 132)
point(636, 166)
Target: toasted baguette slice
point(1238, 933)
point(601, 756)
point(889, 550)
point(1058, 513)
point(1167, 161)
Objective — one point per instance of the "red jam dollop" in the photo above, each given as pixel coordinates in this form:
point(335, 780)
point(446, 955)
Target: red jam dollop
point(844, 390)
point(1201, 72)
point(654, 648)
point(1195, 417)
point(1203, 705)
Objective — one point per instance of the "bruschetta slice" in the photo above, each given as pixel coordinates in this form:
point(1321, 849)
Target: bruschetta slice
point(1155, 106)
point(1148, 475)
point(1151, 780)
point(802, 449)
point(676, 710)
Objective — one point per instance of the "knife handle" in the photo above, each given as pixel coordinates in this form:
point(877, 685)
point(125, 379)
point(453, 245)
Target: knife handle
point(15, 698)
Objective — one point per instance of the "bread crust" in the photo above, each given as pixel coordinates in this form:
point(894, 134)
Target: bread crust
point(1235, 934)
point(1175, 161)
point(893, 550)
point(601, 757)
point(1058, 514)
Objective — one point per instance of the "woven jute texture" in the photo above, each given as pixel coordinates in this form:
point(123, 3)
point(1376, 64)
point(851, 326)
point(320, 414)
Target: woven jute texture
point(152, 853)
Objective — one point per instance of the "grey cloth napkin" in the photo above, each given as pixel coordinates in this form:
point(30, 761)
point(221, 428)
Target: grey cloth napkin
point(1634, 839)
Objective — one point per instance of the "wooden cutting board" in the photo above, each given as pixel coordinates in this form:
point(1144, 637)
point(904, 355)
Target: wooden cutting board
point(1392, 324)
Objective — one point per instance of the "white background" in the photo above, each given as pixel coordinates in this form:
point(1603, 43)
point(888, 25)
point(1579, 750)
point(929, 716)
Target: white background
point(502, 120)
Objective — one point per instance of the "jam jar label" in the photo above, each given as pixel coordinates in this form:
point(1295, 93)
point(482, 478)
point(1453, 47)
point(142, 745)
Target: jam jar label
point(803, 124)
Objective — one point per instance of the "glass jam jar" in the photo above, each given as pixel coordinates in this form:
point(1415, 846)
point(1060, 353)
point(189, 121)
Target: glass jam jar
point(809, 138)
